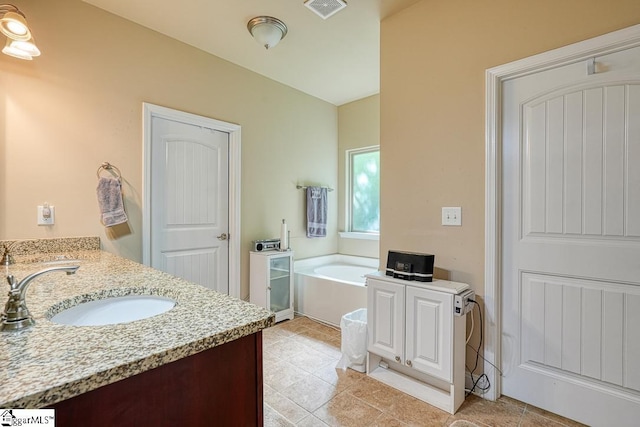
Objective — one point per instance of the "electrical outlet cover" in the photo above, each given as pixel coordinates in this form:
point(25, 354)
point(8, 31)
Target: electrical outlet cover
point(43, 219)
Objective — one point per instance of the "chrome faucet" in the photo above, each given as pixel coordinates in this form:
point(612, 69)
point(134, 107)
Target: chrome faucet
point(16, 315)
point(7, 258)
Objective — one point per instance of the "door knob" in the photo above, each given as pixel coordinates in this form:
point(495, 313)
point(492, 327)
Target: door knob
point(223, 236)
point(397, 358)
point(408, 362)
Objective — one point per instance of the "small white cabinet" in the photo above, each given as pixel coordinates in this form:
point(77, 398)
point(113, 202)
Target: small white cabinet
point(385, 319)
point(415, 343)
point(271, 282)
point(428, 339)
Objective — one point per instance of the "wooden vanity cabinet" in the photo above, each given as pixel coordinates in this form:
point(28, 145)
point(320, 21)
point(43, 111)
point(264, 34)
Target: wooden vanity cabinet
point(221, 386)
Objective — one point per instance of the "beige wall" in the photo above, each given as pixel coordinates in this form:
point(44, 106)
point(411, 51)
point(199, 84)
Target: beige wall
point(433, 59)
point(80, 104)
point(358, 127)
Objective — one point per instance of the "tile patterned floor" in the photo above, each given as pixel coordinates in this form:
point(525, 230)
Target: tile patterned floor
point(303, 388)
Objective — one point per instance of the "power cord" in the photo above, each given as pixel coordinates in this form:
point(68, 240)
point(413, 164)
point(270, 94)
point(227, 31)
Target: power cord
point(472, 325)
point(475, 382)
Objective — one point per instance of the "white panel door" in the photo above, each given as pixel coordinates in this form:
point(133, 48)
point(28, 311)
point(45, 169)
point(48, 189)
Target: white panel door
point(386, 319)
point(429, 317)
point(571, 240)
point(189, 202)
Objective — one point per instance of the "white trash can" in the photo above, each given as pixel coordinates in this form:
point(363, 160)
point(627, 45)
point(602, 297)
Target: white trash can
point(353, 328)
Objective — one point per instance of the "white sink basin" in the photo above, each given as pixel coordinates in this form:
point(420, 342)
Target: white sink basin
point(110, 311)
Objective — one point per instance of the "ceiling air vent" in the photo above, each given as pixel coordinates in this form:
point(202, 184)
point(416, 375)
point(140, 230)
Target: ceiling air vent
point(325, 8)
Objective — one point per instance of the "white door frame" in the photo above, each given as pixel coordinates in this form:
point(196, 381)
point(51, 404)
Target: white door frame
point(151, 110)
point(582, 51)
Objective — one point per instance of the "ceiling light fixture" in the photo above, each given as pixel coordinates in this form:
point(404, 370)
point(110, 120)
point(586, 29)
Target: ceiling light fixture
point(267, 30)
point(13, 24)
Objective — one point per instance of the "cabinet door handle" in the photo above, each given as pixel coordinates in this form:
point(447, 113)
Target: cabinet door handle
point(223, 236)
point(397, 358)
point(408, 362)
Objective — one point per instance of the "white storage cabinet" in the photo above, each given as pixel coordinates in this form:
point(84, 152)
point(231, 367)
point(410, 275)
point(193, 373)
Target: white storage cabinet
point(415, 343)
point(271, 282)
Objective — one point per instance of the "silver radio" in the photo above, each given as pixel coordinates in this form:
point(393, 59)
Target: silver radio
point(266, 245)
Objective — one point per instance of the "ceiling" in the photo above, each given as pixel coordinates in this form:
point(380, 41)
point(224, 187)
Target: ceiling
point(336, 60)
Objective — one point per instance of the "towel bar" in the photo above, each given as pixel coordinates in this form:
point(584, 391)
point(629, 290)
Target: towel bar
point(304, 187)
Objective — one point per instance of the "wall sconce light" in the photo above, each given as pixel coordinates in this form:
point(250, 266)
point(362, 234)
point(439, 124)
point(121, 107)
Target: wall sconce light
point(267, 31)
point(13, 24)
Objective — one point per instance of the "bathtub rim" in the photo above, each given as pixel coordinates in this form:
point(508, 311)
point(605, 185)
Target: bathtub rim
point(319, 274)
point(308, 266)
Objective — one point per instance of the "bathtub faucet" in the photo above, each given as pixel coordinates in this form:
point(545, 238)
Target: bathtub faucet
point(16, 315)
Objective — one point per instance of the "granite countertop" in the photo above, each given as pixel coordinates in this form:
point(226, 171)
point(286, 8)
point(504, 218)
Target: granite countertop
point(48, 362)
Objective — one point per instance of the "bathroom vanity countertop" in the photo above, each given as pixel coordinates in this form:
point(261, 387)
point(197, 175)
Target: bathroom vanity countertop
point(48, 362)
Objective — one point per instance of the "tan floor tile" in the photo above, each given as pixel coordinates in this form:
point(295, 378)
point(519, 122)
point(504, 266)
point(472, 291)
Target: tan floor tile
point(290, 327)
point(310, 359)
point(415, 412)
point(275, 332)
point(303, 320)
point(326, 345)
point(293, 346)
point(269, 358)
point(271, 339)
point(273, 419)
point(328, 349)
point(267, 390)
point(286, 348)
point(348, 411)
point(326, 329)
point(284, 406)
point(303, 339)
point(341, 378)
point(482, 411)
point(311, 421)
point(375, 393)
point(335, 342)
point(530, 419)
point(317, 335)
point(310, 393)
point(282, 375)
point(452, 422)
point(512, 401)
point(554, 417)
point(386, 420)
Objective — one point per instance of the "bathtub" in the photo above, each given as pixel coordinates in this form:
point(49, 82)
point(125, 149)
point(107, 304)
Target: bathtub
point(330, 286)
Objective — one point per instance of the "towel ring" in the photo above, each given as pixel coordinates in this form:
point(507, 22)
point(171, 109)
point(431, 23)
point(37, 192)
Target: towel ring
point(108, 167)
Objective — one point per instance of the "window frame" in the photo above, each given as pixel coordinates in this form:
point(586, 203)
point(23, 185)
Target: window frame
point(349, 233)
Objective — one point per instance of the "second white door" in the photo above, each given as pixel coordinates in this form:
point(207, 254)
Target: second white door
point(190, 202)
point(571, 240)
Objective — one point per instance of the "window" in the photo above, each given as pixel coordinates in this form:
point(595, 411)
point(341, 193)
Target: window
point(363, 189)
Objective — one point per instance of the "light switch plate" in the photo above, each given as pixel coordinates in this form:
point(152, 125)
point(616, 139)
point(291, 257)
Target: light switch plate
point(452, 216)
